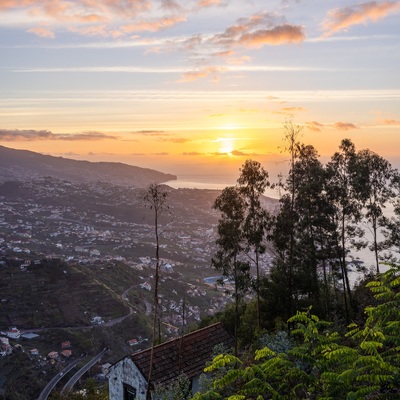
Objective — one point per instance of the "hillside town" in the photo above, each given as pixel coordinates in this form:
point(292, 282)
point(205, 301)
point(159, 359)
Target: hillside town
point(98, 228)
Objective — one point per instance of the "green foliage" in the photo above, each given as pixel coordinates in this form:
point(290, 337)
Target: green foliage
point(178, 390)
point(364, 363)
point(90, 392)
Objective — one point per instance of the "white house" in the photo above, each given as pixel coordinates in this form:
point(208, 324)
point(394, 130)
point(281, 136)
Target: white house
point(184, 355)
point(12, 333)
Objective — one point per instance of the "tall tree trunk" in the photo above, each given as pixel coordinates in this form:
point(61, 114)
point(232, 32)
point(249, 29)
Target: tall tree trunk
point(375, 231)
point(345, 278)
point(155, 309)
point(258, 290)
point(236, 306)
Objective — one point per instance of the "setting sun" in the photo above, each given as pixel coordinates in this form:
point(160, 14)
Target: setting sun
point(226, 145)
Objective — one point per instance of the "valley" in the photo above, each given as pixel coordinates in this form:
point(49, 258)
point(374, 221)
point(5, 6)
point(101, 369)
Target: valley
point(77, 264)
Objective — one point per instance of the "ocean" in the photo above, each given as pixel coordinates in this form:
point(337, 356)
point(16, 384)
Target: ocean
point(211, 182)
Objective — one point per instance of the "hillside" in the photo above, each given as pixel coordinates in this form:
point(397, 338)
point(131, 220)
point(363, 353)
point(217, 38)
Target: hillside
point(26, 165)
point(73, 251)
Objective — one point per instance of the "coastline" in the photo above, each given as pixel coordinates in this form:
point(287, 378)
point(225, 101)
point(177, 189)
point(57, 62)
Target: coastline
point(210, 182)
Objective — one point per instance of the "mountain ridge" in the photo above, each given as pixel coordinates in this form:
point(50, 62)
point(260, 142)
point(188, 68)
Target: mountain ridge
point(25, 164)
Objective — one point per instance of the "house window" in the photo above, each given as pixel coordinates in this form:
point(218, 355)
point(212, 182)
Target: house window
point(129, 392)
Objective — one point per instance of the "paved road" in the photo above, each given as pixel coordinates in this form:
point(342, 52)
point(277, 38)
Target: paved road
point(70, 384)
point(52, 384)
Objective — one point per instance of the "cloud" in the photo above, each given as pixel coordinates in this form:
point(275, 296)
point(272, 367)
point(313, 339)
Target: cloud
point(392, 122)
point(161, 136)
point(238, 153)
point(108, 18)
point(160, 154)
point(314, 126)
point(259, 30)
point(171, 5)
point(344, 126)
point(91, 153)
point(192, 153)
point(273, 98)
point(283, 34)
point(238, 60)
point(289, 110)
point(342, 18)
point(153, 25)
point(8, 4)
point(175, 140)
point(151, 133)
point(208, 3)
point(42, 32)
point(16, 135)
point(293, 109)
point(68, 154)
point(96, 31)
point(205, 72)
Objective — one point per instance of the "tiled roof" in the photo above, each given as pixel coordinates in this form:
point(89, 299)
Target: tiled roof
point(197, 348)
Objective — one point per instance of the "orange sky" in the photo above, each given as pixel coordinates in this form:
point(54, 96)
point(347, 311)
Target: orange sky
point(198, 86)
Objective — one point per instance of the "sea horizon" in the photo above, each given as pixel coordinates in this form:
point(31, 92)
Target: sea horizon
point(210, 182)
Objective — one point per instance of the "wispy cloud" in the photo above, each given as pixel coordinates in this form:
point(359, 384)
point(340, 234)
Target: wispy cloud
point(259, 30)
point(153, 25)
point(391, 122)
point(341, 126)
point(161, 136)
point(342, 18)
point(289, 110)
point(241, 153)
point(205, 72)
point(109, 18)
point(151, 133)
point(42, 32)
point(256, 31)
point(175, 140)
point(293, 109)
point(283, 34)
point(235, 153)
point(208, 3)
point(345, 126)
point(17, 135)
point(314, 126)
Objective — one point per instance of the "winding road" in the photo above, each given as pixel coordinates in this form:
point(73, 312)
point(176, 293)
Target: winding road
point(52, 384)
point(70, 384)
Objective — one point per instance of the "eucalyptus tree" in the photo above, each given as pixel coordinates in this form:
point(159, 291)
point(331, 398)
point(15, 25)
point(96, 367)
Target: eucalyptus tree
point(341, 191)
point(230, 245)
point(292, 145)
point(315, 230)
point(375, 182)
point(303, 234)
point(252, 182)
point(156, 199)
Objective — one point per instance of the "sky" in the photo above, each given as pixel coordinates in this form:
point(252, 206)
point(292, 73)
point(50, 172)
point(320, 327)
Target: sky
point(198, 86)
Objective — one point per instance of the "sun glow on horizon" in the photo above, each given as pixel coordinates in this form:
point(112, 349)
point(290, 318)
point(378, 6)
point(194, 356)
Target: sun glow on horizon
point(230, 126)
point(226, 145)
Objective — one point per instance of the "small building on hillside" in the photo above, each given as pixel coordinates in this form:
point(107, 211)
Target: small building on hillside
point(185, 355)
point(12, 333)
